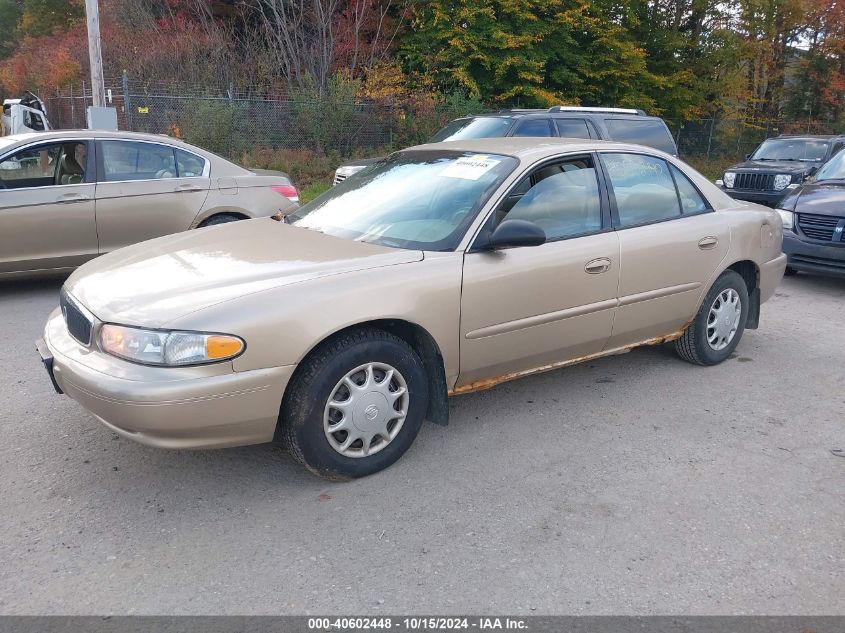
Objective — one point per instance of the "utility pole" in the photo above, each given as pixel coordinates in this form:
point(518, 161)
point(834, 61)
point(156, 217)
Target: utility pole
point(95, 53)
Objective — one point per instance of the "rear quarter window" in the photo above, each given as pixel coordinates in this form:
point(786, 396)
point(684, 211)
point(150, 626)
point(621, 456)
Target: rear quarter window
point(649, 132)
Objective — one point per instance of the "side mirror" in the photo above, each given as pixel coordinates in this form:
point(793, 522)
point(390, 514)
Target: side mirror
point(512, 233)
point(748, 157)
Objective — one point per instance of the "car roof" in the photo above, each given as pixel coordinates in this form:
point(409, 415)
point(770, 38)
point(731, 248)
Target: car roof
point(808, 137)
point(60, 134)
point(562, 111)
point(530, 148)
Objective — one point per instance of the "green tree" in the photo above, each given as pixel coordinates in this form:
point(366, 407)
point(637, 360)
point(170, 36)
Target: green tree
point(45, 17)
point(490, 48)
point(10, 14)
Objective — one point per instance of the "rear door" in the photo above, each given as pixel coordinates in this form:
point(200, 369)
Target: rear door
point(146, 190)
point(47, 207)
point(670, 243)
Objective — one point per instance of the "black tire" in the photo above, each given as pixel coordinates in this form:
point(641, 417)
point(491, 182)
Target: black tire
point(220, 218)
point(789, 272)
point(301, 419)
point(693, 346)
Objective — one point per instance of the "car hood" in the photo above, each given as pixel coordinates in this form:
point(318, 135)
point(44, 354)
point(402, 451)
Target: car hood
point(152, 283)
point(775, 166)
point(819, 198)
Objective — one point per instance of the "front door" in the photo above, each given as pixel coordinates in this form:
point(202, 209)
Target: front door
point(146, 190)
point(47, 207)
point(529, 307)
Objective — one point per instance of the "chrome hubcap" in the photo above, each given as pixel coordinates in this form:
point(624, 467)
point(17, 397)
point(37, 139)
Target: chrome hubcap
point(723, 319)
point(366, 410)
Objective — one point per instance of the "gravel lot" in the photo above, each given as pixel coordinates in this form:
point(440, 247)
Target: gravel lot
point(636, 484)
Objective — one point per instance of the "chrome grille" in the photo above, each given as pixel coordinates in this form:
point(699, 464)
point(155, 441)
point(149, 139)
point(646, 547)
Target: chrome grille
point(77, 323)
point(755, 181)
point(338, 178)
point(818, 227)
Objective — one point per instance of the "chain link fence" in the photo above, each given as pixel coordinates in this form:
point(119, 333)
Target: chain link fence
point(231, 123)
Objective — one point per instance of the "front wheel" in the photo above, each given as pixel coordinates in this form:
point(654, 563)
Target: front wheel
point(717, 328)
point(220, 218)
point(355, 405)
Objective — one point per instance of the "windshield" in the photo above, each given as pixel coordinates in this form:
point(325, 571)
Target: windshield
point(792, 149)
point(834, 169)
point(481, 127)
point(421, 200)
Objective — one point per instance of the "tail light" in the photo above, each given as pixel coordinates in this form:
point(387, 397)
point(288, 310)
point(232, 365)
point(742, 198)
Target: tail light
point(288, 191)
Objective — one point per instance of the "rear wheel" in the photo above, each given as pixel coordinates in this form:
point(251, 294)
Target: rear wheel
point(220, 218)
point(717, 328)
point(355, 405)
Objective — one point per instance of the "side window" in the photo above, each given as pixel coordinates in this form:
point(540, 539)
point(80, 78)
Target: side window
point(691, 200)
point(643, 187)
point(562, 199)
point(33, 121)
point(128, 160)
point(572, 128)
point(534, 127)
point(650, 132)
point(45, 165)
point(189, 165)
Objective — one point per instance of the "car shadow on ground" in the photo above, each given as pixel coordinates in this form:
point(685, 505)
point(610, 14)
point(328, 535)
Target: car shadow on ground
point(9, 286)
point(247, 475)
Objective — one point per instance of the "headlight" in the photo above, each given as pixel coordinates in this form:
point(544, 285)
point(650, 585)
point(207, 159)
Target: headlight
point(788, 218)
point(168, 348)
point(781, 181)
point(729, 179)
point(348, 170)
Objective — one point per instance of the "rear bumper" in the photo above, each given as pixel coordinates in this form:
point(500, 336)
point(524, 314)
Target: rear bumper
point(768, 198)
point(811, 257)
point(165, 407)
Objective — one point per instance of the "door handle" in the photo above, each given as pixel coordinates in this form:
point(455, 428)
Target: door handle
point(706, 243)
point(72, 197)
point(187, 188)
point(597, 266)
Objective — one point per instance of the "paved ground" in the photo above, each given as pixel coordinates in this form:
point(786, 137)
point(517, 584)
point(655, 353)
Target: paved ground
point(637, 484)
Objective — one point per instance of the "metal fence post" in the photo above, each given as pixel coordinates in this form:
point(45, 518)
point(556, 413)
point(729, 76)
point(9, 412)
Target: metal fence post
point(127, 102)
point(710, 137)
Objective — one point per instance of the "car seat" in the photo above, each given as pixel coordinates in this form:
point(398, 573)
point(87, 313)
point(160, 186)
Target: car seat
point(70, 172)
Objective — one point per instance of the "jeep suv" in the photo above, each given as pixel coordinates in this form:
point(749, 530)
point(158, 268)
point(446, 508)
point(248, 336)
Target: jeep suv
point(610, 124)
point(779, 165)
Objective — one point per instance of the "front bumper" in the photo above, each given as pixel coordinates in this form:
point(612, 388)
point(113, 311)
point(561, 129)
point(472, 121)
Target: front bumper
point(211, 406)
point(771, 273)
point(768, 198)
point(814, 257)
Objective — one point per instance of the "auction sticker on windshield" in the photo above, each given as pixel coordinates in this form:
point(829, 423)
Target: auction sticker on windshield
point(470, 167)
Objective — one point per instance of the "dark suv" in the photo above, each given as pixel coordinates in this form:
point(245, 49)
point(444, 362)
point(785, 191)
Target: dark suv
point(779, 165)
point(610, 124)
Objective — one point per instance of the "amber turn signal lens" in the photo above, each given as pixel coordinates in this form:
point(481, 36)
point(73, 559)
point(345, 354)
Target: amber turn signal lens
point(217, 346)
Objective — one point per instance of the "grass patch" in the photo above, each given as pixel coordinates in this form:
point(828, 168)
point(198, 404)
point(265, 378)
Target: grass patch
point(712, 168)
point(309, 192)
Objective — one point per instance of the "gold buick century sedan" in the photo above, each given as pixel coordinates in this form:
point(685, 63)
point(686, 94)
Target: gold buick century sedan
point(68, 196)
point(443, 269)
